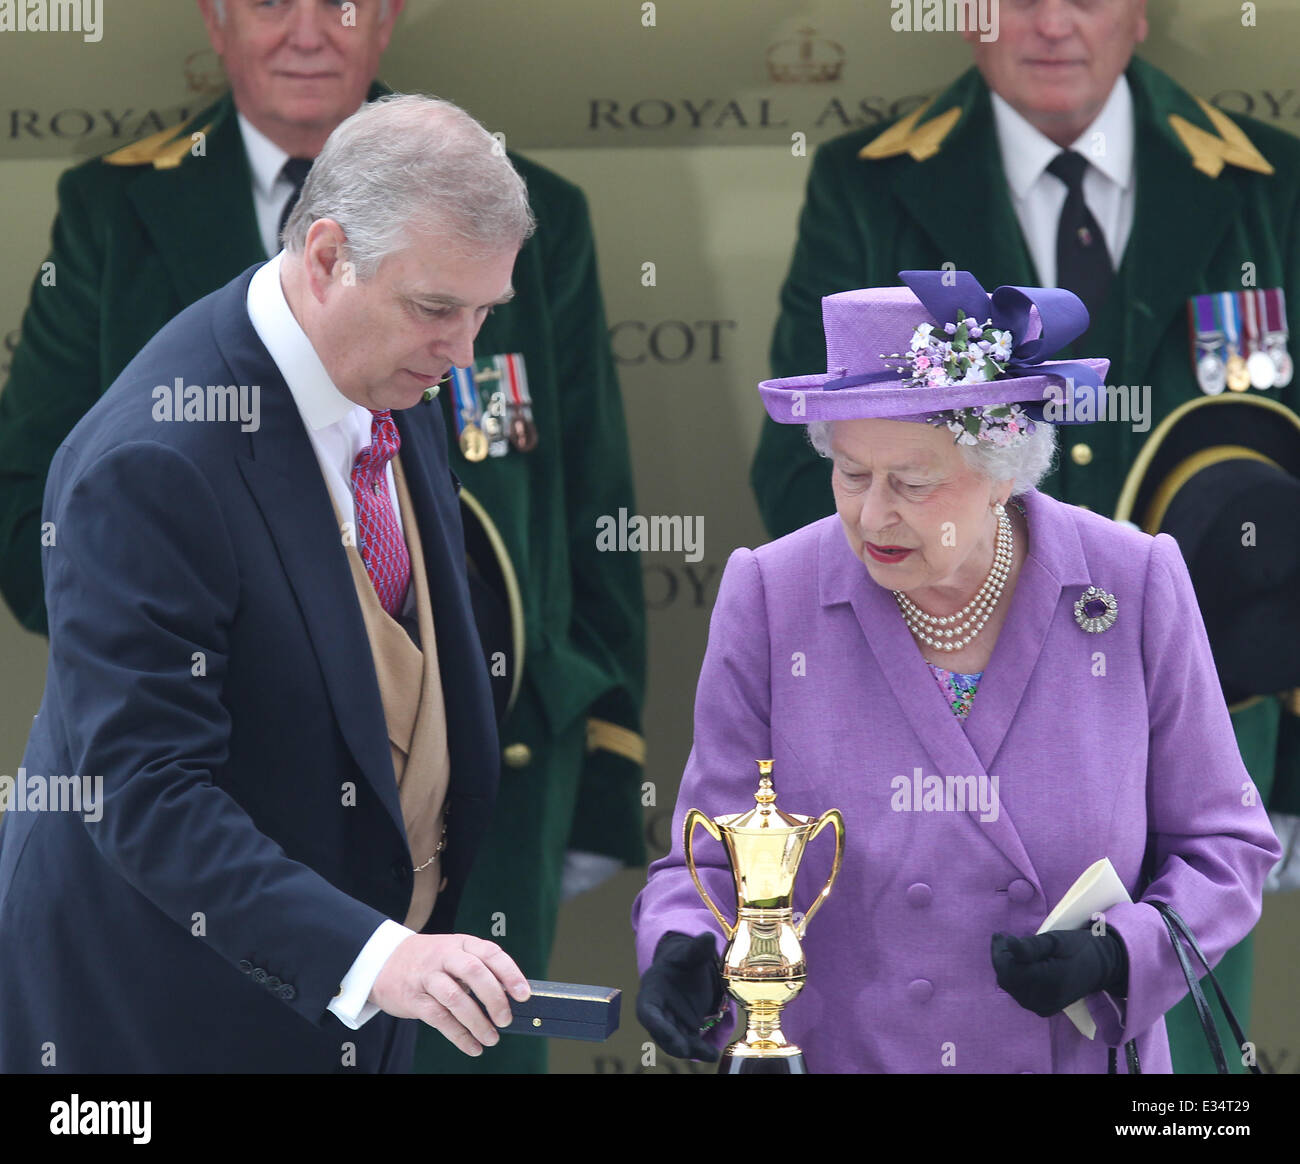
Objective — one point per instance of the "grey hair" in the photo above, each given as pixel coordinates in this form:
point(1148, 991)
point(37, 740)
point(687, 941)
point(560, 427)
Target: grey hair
point(409, 161)
point(1024, 464)
point(220, 6)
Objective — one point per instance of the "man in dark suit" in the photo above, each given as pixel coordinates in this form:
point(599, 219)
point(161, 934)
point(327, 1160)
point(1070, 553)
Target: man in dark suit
point(263, 671)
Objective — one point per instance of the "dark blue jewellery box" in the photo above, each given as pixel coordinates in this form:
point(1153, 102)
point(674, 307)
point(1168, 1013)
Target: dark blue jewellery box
point(564, 1010)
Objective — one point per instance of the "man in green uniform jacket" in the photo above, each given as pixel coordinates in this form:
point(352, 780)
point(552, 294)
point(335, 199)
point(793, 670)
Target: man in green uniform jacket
point(145, 231)
point(1217, 208)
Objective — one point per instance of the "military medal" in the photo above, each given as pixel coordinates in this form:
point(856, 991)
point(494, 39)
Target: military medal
point(1238, 377)
point(1275, 336)
point(1259, 365)
point(1211, 374)
point(492, 403)
point(514, 377)
point(473, 443)
point(495, 416)
point(466, 413)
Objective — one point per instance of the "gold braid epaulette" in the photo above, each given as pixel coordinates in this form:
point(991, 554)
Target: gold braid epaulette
point(905, 138)
point(1209, 153)
point(163, 150)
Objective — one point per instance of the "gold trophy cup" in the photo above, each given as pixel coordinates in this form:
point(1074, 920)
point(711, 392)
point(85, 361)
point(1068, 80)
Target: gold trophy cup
point(764, 966)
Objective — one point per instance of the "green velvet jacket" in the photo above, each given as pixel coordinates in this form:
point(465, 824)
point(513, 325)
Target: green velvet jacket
point(133, 244)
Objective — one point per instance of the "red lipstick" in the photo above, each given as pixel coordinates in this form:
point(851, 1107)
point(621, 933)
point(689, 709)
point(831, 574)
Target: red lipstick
point(886, 553)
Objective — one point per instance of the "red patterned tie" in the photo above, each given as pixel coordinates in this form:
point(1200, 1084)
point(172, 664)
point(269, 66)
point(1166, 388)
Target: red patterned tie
point(383, 549)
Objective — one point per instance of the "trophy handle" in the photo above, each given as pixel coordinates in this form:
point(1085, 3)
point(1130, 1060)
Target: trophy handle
point(830, 817)
point(694, 817)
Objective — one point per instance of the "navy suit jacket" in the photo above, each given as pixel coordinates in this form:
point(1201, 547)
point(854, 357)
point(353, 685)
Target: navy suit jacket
point(210, 670)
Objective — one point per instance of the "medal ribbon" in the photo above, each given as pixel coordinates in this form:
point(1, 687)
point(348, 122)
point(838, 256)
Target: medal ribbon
point(467, 403)
point(1206, 327)
point(1275, 312)
point(516, 379)
point(1226, 304)
point(1253, 339)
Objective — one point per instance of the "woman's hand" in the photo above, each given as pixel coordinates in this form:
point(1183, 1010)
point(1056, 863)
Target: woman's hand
point(1049, 971)
point(679, 993)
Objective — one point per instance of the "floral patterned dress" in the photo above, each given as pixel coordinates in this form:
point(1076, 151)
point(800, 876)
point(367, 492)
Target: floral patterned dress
point(958, 688)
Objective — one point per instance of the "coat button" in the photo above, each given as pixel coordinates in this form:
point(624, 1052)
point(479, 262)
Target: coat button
point(920, 989)
point(287, 992)
point(1081, 454)
point(1020, 891)
point(259, 975)
point(245, 966)
point(919, 895)
point(273, 983)
point(517, 755)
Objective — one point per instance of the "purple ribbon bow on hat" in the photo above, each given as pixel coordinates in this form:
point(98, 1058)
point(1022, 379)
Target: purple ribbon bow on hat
point(1061, 314)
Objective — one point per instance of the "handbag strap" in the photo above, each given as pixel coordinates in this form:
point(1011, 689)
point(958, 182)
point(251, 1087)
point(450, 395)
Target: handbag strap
point(1172, 917)
point(1179, 933)
point(1194, 988)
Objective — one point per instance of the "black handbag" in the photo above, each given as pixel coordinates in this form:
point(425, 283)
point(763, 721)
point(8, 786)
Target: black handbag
point(1181, 936)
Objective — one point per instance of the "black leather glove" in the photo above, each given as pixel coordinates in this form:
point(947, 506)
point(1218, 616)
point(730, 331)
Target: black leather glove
point(679, 993)
point(1049, 971)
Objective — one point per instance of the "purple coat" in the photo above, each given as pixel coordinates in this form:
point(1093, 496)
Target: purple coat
point(1094, 741)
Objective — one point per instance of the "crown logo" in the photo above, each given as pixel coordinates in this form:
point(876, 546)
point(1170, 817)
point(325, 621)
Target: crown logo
point(204, 74)
point(805, 59)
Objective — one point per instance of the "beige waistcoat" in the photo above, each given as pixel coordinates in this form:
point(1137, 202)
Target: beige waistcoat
point(410, 686)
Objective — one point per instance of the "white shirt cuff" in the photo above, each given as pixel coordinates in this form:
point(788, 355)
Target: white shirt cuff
point(351, 1006)
point(584, 871)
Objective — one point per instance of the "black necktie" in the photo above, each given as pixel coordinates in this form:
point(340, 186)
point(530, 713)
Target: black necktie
point(295, 169)
point(1082, 260)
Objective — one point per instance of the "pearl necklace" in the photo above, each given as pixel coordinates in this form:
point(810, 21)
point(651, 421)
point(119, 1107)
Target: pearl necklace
point(953, 631)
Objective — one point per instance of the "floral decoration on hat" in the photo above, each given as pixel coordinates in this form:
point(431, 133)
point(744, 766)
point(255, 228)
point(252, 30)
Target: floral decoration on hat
point(965, 352)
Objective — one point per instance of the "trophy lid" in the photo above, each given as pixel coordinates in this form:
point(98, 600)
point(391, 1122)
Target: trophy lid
point(765, 815)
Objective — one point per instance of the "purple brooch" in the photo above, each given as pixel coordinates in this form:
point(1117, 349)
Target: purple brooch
point(1096, 610)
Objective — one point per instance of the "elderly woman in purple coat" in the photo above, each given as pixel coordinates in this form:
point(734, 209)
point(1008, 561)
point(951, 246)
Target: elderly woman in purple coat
point(950, 625)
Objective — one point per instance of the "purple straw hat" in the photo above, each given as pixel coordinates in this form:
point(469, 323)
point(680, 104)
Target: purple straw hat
point(878, 366)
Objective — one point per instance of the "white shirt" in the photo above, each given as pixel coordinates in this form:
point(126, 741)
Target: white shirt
point(338, 429)
point(1038, 197)
point(271, 189)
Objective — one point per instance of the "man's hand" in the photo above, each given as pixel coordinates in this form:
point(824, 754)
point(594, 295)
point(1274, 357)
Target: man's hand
point(430, 977)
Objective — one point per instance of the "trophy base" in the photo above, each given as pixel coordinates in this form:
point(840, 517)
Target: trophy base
point(790, 1063)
